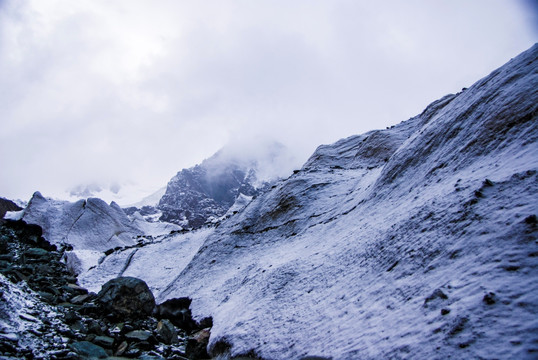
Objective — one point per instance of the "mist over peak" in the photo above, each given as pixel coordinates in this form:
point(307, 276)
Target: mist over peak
point(270, 158)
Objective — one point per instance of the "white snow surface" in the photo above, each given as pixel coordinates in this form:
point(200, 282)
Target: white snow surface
point(14, 215)
point(343, 259)
point(157, 263)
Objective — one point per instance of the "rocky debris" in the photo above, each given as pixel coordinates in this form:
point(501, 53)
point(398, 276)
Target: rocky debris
point(128, 297)
point(65, 321)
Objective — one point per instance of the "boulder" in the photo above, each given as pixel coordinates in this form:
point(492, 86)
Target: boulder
point(127, 297)
point(88, 350)
point(177, 311)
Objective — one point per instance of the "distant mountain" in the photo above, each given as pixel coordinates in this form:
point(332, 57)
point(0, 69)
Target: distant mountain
point(208, 190)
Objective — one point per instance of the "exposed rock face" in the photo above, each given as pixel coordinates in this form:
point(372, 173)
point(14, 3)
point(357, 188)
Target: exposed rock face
point(7, 205)
point(208, 190)
point(85, 224)
point(127, 297)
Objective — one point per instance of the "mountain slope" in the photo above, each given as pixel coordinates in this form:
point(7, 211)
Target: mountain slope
point(416, 241)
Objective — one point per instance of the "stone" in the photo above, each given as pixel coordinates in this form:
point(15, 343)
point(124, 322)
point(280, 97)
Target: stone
point(127, 297)
point(37, 253)
point(104, 341)
point(87, 349)
point(139, 335)
point(197, 345)
point(79, 299)
point(489, 298)
point(28, 317)
point(121, 349)
point(438, 294)
point(178, 312)
point(167, 332)
point(74, 288)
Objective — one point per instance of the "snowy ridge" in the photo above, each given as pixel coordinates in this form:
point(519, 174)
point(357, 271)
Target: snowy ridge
point(416, 241)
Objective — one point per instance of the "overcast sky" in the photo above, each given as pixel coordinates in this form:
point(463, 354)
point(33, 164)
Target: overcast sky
point(133, 91)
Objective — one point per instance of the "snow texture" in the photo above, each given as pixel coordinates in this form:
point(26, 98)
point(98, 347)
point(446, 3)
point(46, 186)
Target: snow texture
point(22, 313)
point(419, 241)
point(157, 263)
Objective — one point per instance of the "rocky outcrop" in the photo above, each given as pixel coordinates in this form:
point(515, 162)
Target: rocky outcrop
point(7, 205)
point(208, 190)
point(85, 224)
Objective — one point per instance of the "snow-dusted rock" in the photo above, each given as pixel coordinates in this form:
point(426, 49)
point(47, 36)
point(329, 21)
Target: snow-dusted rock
point(208, 190)
point(346, 259)
point(86, 224)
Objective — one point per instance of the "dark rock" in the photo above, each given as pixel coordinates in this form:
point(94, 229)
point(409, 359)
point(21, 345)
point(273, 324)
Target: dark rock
point(87, 349)
point(104, 341)
point(71, 317)
point(138, 335)
point(48, 297)
point(94, 327)
point(437, 294)
point(489, 298)
point(197, 345)
point(79, 326)
point(127, 297)
point(79, 299)
point(445, 311)
point(75, 289)
point(531, 220)
point(37, 253)
point(167, 332)
point(7, 205)
point(177, 311)
point(121, 349)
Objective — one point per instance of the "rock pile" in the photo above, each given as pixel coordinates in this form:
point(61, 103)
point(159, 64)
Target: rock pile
point(67, 322)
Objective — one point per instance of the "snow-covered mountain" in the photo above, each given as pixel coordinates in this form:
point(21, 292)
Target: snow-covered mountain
point(208, 190)
point(418, 241)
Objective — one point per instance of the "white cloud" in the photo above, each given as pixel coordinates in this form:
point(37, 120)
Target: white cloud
point(136, 90)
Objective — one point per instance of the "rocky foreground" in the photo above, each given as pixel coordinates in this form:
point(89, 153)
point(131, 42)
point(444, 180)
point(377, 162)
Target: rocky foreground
point(44, 314)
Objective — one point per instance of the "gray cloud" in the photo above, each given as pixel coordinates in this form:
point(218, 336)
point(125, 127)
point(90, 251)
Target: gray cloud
point(133, 91)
